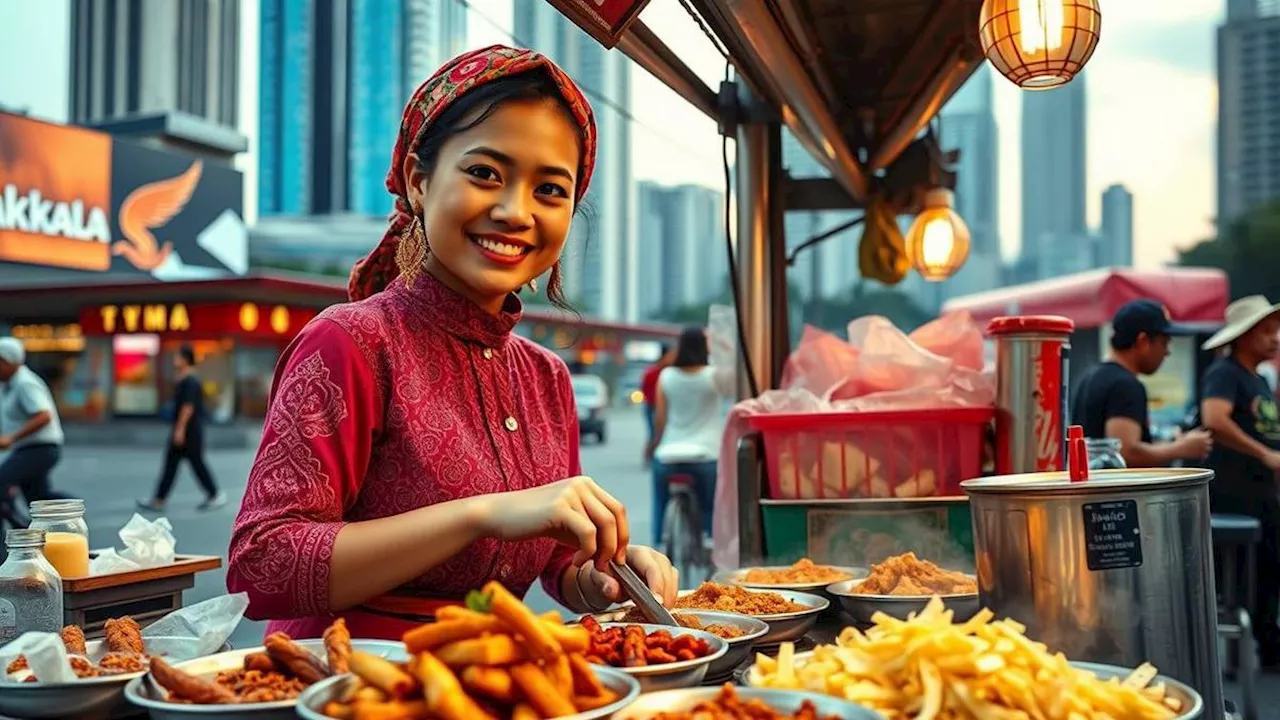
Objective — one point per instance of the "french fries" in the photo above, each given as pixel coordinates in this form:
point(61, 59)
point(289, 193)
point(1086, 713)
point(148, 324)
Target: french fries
point(931, 668)
point(495, 661)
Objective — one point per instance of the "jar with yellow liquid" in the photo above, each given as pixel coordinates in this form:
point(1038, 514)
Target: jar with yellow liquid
point(66, 535)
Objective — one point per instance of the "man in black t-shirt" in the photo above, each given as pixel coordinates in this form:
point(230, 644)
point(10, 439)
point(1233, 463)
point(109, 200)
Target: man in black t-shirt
point(1111, 402)
point(1238, 405)
point(187, 440)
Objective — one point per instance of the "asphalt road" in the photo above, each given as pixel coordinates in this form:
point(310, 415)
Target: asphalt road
point(110, 479)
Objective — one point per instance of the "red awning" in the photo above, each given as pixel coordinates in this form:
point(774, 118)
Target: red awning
point(1192, 295)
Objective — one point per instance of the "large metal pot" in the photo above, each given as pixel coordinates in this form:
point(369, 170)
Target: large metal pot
point(1116, 570)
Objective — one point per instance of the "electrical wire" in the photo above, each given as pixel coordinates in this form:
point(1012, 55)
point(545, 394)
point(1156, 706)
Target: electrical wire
point(702, 25)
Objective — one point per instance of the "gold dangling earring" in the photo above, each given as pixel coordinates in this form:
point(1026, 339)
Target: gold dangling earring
point(533, 285)
point(412, 251)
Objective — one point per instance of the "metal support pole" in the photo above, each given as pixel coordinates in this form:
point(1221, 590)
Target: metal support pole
point(776, 259)
point(754, 276)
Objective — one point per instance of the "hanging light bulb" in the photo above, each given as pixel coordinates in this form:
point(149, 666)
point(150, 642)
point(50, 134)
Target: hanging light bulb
point(1039, 44)
point(938, 241)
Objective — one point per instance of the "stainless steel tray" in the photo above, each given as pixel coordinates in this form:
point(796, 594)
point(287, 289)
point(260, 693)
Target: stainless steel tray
point(782, 626)
point(862, 607)
point(787, 701)
point(142, 692)
point(683, 674)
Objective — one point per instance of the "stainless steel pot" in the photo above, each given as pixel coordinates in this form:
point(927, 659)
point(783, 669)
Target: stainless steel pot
point(1115, 570)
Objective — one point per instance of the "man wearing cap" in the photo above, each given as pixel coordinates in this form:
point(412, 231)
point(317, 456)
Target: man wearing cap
point(1111, 402)
point(1238, 405)
point(29, 427)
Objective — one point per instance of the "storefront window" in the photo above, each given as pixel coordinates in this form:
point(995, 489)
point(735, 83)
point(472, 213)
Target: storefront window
point(78, 381)
point(136, 390)
point(255, 368)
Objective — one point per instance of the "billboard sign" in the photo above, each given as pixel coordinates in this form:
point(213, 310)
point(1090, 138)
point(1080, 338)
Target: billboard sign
point(82, 200)
point(604, 20)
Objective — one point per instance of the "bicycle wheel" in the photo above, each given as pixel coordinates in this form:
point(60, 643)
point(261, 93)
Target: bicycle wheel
point(675, 532)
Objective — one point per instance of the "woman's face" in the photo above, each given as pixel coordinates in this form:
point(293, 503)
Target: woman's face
point(497, 207)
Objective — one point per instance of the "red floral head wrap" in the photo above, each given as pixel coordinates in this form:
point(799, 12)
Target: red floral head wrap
point(455, 79)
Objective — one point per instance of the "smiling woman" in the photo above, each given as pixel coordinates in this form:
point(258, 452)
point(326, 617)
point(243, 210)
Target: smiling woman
point(415, 448)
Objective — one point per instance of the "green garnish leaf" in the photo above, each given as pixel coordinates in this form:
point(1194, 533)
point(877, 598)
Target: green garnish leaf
point(478, 601)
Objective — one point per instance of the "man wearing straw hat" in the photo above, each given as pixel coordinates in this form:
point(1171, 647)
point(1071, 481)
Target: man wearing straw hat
point(1237, 404)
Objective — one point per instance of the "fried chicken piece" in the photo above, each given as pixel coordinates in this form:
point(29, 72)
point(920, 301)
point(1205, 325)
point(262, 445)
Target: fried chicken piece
point(73, 640)
point(124, 635)
point(908, 575)
point(118, 663)
point(83, 668)
point(302, 664)
point(18, 665)
point(188, 687)
point(337, 645)
point(259, 661)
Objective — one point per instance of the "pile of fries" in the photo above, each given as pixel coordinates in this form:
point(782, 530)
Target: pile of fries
point(931, 668)
point(494, 659)
point(728, 706)
point(630, 646)
point(281, 672)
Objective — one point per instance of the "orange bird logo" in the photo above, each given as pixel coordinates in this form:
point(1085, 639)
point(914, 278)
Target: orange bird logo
point(149, 208)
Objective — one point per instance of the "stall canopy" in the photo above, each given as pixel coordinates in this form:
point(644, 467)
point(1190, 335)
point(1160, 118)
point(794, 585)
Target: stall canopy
point(1192, 295)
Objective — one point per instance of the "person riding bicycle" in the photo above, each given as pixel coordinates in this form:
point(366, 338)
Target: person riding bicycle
point(688, 425)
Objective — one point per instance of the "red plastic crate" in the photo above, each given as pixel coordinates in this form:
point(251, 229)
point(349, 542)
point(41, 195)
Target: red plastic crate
point(878, 454)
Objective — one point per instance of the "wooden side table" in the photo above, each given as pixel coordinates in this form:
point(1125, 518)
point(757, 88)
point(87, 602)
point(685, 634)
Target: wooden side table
point(145, 595)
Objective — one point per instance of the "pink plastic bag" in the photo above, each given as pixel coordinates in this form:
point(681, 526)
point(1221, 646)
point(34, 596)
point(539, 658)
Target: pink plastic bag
point(820, 362)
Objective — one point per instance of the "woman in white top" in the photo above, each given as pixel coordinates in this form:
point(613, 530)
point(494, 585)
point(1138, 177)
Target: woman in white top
point(688, 424)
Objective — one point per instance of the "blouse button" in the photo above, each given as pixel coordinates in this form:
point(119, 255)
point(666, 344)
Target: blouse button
point(488, 354)
point(511, 424)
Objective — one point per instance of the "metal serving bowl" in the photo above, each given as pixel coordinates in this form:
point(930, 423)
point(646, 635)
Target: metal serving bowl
point(312, 701)
point(739, 647)
point(682, 674)
point(143, 692)
point(862, 607)
point(786, 701)
point(782, 626)
point(1192, 703)
point(95, 698)
point(738, 577)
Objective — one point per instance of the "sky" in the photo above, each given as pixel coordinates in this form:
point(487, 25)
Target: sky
point(1152, 108)
point(1152, 112)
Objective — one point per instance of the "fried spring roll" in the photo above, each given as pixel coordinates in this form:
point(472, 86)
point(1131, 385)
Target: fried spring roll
point(302, 664)
point(337, 645)
point(593, 702)
point(572, 639)
point(383, 675)
point(444, 632)
point(541, 692)
point(393, 710)
point(445, 697)
point(524, 712)
point(488, 650)
point(73, 640)
point(585, 681)
point(522, 620)
point(339, 711)
point(124, 635)
point(188, 687)
point(370, 694)
point(560, 675)
point(491, 682)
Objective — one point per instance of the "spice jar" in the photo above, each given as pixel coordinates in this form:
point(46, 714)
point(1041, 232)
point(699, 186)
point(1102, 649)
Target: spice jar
point(30, 588)
point(1104, 454)
point(66, 540)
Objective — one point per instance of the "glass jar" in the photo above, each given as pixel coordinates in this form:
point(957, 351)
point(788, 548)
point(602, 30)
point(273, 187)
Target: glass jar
point(66, 540)
point(1104, 454)
point(30, 589)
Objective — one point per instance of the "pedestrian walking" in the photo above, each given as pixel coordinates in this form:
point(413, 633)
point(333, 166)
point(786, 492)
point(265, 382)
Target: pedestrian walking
point(29, 429)
point(187, 440)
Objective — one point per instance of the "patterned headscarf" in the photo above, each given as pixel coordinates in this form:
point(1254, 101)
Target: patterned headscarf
point(455, 79)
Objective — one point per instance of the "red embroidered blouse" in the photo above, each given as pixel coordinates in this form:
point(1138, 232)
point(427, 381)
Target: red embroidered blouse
point(412, 397)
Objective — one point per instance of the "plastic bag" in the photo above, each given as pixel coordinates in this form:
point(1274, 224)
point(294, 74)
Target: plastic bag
point(192, 632)
point(147, 543)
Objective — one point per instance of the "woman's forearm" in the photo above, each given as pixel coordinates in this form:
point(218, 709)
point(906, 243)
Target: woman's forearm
point(373, 557)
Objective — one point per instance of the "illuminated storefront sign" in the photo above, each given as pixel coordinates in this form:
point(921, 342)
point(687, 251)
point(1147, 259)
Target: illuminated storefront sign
point(196, 319)
point(49, 338)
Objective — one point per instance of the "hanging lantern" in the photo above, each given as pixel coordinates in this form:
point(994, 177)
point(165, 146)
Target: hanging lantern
point(938, 242)
point(1039, 44)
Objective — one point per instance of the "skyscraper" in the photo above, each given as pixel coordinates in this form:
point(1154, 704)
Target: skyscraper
point(968, 124)
point(1115, 248)
point(1053, 176)
point(601, 262)
point(333, 78)
point(1248, 107)
point(682, 260)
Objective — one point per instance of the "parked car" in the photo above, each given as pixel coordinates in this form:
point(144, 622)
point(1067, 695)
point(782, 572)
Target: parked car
point(592, 397)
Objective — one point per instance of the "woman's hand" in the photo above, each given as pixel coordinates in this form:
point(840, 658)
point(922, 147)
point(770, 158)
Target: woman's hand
point(577, 512)
point(601, 588)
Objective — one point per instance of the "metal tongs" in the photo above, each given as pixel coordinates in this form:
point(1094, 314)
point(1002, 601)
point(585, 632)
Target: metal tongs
point(642, 596)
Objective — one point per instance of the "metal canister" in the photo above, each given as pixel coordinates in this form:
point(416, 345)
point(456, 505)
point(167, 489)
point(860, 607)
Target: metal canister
point(1117, 569)
point(1032, 353)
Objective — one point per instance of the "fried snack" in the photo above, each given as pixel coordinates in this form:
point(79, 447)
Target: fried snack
point(487, 650)
point(83, 668)
point(491, 682)
point(337, 646)
point(536, 634)
point(540, 692)
point(302, 664)
point(383, 674)
point(73, 640)
point(259, 686)
point(260, 661)
point(728, 706)
point(117, 663)
point(908, 575)
point(728, 632)
point(124, 635)
point(802, 572)
point(188, 687)
point(445, 696)
point(731, 598)
point(629, 646)
point(18, 665)
point(931, 668)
